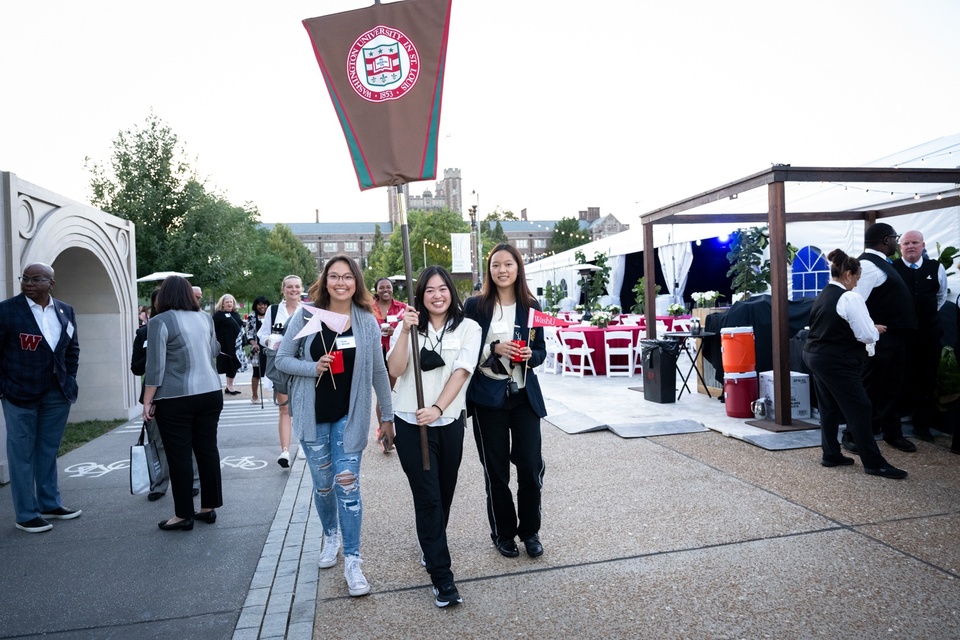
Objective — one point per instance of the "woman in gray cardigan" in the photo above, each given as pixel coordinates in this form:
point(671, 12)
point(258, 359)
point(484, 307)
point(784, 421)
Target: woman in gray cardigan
point(331, 403)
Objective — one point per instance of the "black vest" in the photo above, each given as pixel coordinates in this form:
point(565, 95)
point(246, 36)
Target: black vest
point(923, 285)
point(890, 303)
point(829, 333)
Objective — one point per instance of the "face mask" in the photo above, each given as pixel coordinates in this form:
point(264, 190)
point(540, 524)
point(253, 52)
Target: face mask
point(430, 360)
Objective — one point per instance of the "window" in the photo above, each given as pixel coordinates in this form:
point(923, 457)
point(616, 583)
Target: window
point(811, 272)
point(368, 246)
point(329, 247)
point(311, 246)
point(540, 243)
point(522, 244)
point(351, 247)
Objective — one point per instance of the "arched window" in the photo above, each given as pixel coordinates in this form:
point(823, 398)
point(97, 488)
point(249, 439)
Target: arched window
point(811, 272)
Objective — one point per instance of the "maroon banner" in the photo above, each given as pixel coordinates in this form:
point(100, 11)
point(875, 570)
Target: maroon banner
point(383, 67)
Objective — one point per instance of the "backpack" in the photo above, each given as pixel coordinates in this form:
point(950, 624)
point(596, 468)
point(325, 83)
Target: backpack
point(281, 381)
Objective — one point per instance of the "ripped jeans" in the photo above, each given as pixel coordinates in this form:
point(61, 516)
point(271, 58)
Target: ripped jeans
point(336, 484)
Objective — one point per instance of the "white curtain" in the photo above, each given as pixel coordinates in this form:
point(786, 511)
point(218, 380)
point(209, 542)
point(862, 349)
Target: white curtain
point(675, 260)
point(617, 265)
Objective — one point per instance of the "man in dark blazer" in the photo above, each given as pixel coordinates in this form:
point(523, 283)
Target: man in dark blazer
point(39, 356)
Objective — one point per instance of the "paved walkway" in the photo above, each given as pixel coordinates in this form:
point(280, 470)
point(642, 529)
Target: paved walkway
point(684, 536)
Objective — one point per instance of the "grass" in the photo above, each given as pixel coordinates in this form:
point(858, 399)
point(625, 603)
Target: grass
point(80, 433)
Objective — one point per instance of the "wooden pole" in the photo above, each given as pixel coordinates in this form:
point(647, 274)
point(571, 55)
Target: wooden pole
point(414, 340)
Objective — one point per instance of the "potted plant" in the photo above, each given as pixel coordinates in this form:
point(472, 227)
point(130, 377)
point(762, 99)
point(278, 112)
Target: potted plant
point(639, 292)
point(676, 309)
point(705, 299)
point(600, 319)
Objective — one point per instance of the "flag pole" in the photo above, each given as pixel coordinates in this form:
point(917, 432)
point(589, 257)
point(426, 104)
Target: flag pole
point(414, 340)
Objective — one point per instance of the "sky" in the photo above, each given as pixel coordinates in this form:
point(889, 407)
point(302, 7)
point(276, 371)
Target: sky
point(549, 107)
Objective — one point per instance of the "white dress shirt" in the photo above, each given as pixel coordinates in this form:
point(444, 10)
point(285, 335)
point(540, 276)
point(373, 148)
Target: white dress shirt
point(48, 322)
point(871, 276)
point(852, 308)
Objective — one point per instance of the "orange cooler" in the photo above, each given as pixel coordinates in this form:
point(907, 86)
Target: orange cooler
point(737, 349)
point(739, 391)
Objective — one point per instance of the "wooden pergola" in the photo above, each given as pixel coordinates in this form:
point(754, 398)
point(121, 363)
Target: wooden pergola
point(776, 218)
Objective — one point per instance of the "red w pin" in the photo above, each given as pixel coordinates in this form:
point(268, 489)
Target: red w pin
point(29, 342)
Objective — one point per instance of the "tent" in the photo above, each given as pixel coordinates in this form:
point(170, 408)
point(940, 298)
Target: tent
point(914, 190)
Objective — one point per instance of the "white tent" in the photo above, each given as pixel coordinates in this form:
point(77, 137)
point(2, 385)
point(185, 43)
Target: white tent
point(938, 226)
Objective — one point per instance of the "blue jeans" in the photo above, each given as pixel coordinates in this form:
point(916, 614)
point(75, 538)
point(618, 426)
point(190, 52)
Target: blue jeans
point(336, 484)
point(33, 439)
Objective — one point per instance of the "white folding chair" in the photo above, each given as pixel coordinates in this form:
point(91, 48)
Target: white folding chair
point(624, 347)
point(554, 349)
point(630, 321)
point(569, 339)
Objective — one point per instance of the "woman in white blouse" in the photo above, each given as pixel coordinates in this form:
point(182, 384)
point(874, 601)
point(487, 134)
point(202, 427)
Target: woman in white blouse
point(842, 334)
point(273, 323)
point(449, 344)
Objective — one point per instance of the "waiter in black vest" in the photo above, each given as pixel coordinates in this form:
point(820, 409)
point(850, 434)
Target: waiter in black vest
point(889, 303)
point(926, 281)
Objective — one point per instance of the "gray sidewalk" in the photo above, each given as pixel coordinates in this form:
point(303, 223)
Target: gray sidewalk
point(684, 536)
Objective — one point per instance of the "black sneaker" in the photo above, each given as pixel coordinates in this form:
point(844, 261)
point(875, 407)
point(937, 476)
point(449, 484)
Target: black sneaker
point(61, 513)
point(38, 525)
point(447, 595)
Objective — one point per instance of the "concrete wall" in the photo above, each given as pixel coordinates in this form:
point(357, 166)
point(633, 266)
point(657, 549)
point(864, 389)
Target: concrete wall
point(93, 256)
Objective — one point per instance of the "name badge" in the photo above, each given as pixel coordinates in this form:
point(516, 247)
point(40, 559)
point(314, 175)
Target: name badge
point(346, 342)
point(70, 329)
point(391, 319)
point(500, 327)
point(451, 344)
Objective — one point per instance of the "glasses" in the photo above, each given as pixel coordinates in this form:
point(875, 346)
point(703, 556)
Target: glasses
point(31, 280)
point(346, 278)
point(895, 237)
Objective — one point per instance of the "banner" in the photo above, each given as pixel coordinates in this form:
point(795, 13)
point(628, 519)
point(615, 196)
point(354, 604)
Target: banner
point(462, 256)
point(383, 67)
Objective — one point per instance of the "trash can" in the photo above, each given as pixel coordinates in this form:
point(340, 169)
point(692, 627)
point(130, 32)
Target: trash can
point(659, 359)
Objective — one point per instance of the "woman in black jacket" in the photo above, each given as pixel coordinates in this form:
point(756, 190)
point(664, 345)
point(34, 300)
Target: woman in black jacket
point(508, 429)
point(228, 325)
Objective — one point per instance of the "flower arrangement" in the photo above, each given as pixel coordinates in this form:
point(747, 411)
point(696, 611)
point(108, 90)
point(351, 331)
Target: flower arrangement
point(705, 298)
point(578, 308)
point(600, 319)
point(676, 309)
point(737, 297)
point(613, 310)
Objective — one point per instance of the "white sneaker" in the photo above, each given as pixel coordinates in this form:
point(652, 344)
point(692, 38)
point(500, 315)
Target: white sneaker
point(328, 553)
point(357, 585)
point(284, 459)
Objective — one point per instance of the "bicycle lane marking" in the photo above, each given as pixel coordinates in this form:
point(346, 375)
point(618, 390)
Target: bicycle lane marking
point(97, 470)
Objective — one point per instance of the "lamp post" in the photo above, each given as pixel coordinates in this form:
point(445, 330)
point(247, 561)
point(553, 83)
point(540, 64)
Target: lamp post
point(586, 273)
point(362, 266)
point(424, 253)
point(473, 244)
point(476, 215)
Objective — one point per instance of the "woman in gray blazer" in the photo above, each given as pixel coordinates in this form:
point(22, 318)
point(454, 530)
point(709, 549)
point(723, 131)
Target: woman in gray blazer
point(182, 391)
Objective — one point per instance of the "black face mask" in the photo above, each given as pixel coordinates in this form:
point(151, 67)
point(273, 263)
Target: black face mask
point(430, 360)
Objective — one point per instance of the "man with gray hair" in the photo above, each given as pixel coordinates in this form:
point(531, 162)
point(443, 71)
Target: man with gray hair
point(927, 282)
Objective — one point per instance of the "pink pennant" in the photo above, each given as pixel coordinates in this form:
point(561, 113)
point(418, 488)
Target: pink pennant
point(336, 321)
point(541, 319)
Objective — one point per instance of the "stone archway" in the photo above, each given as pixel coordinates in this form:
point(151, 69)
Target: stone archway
point(93, 256)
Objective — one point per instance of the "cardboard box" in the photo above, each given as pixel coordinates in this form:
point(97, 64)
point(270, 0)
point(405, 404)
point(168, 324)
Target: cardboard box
point(799, 394)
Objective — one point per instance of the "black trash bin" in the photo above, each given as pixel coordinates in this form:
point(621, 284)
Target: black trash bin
point(659, 362)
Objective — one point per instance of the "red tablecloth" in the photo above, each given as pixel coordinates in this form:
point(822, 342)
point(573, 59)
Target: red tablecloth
point(594, 337)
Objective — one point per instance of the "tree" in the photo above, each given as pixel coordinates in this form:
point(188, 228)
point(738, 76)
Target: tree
point(567, 235)
point(145, 183)
point(750, 270)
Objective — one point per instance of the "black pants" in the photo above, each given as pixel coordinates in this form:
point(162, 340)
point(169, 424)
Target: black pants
point(505, 435)
point(189, 424)
point(919, 398)
point(432, 490)
point(842, 398)
point(883, 378)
